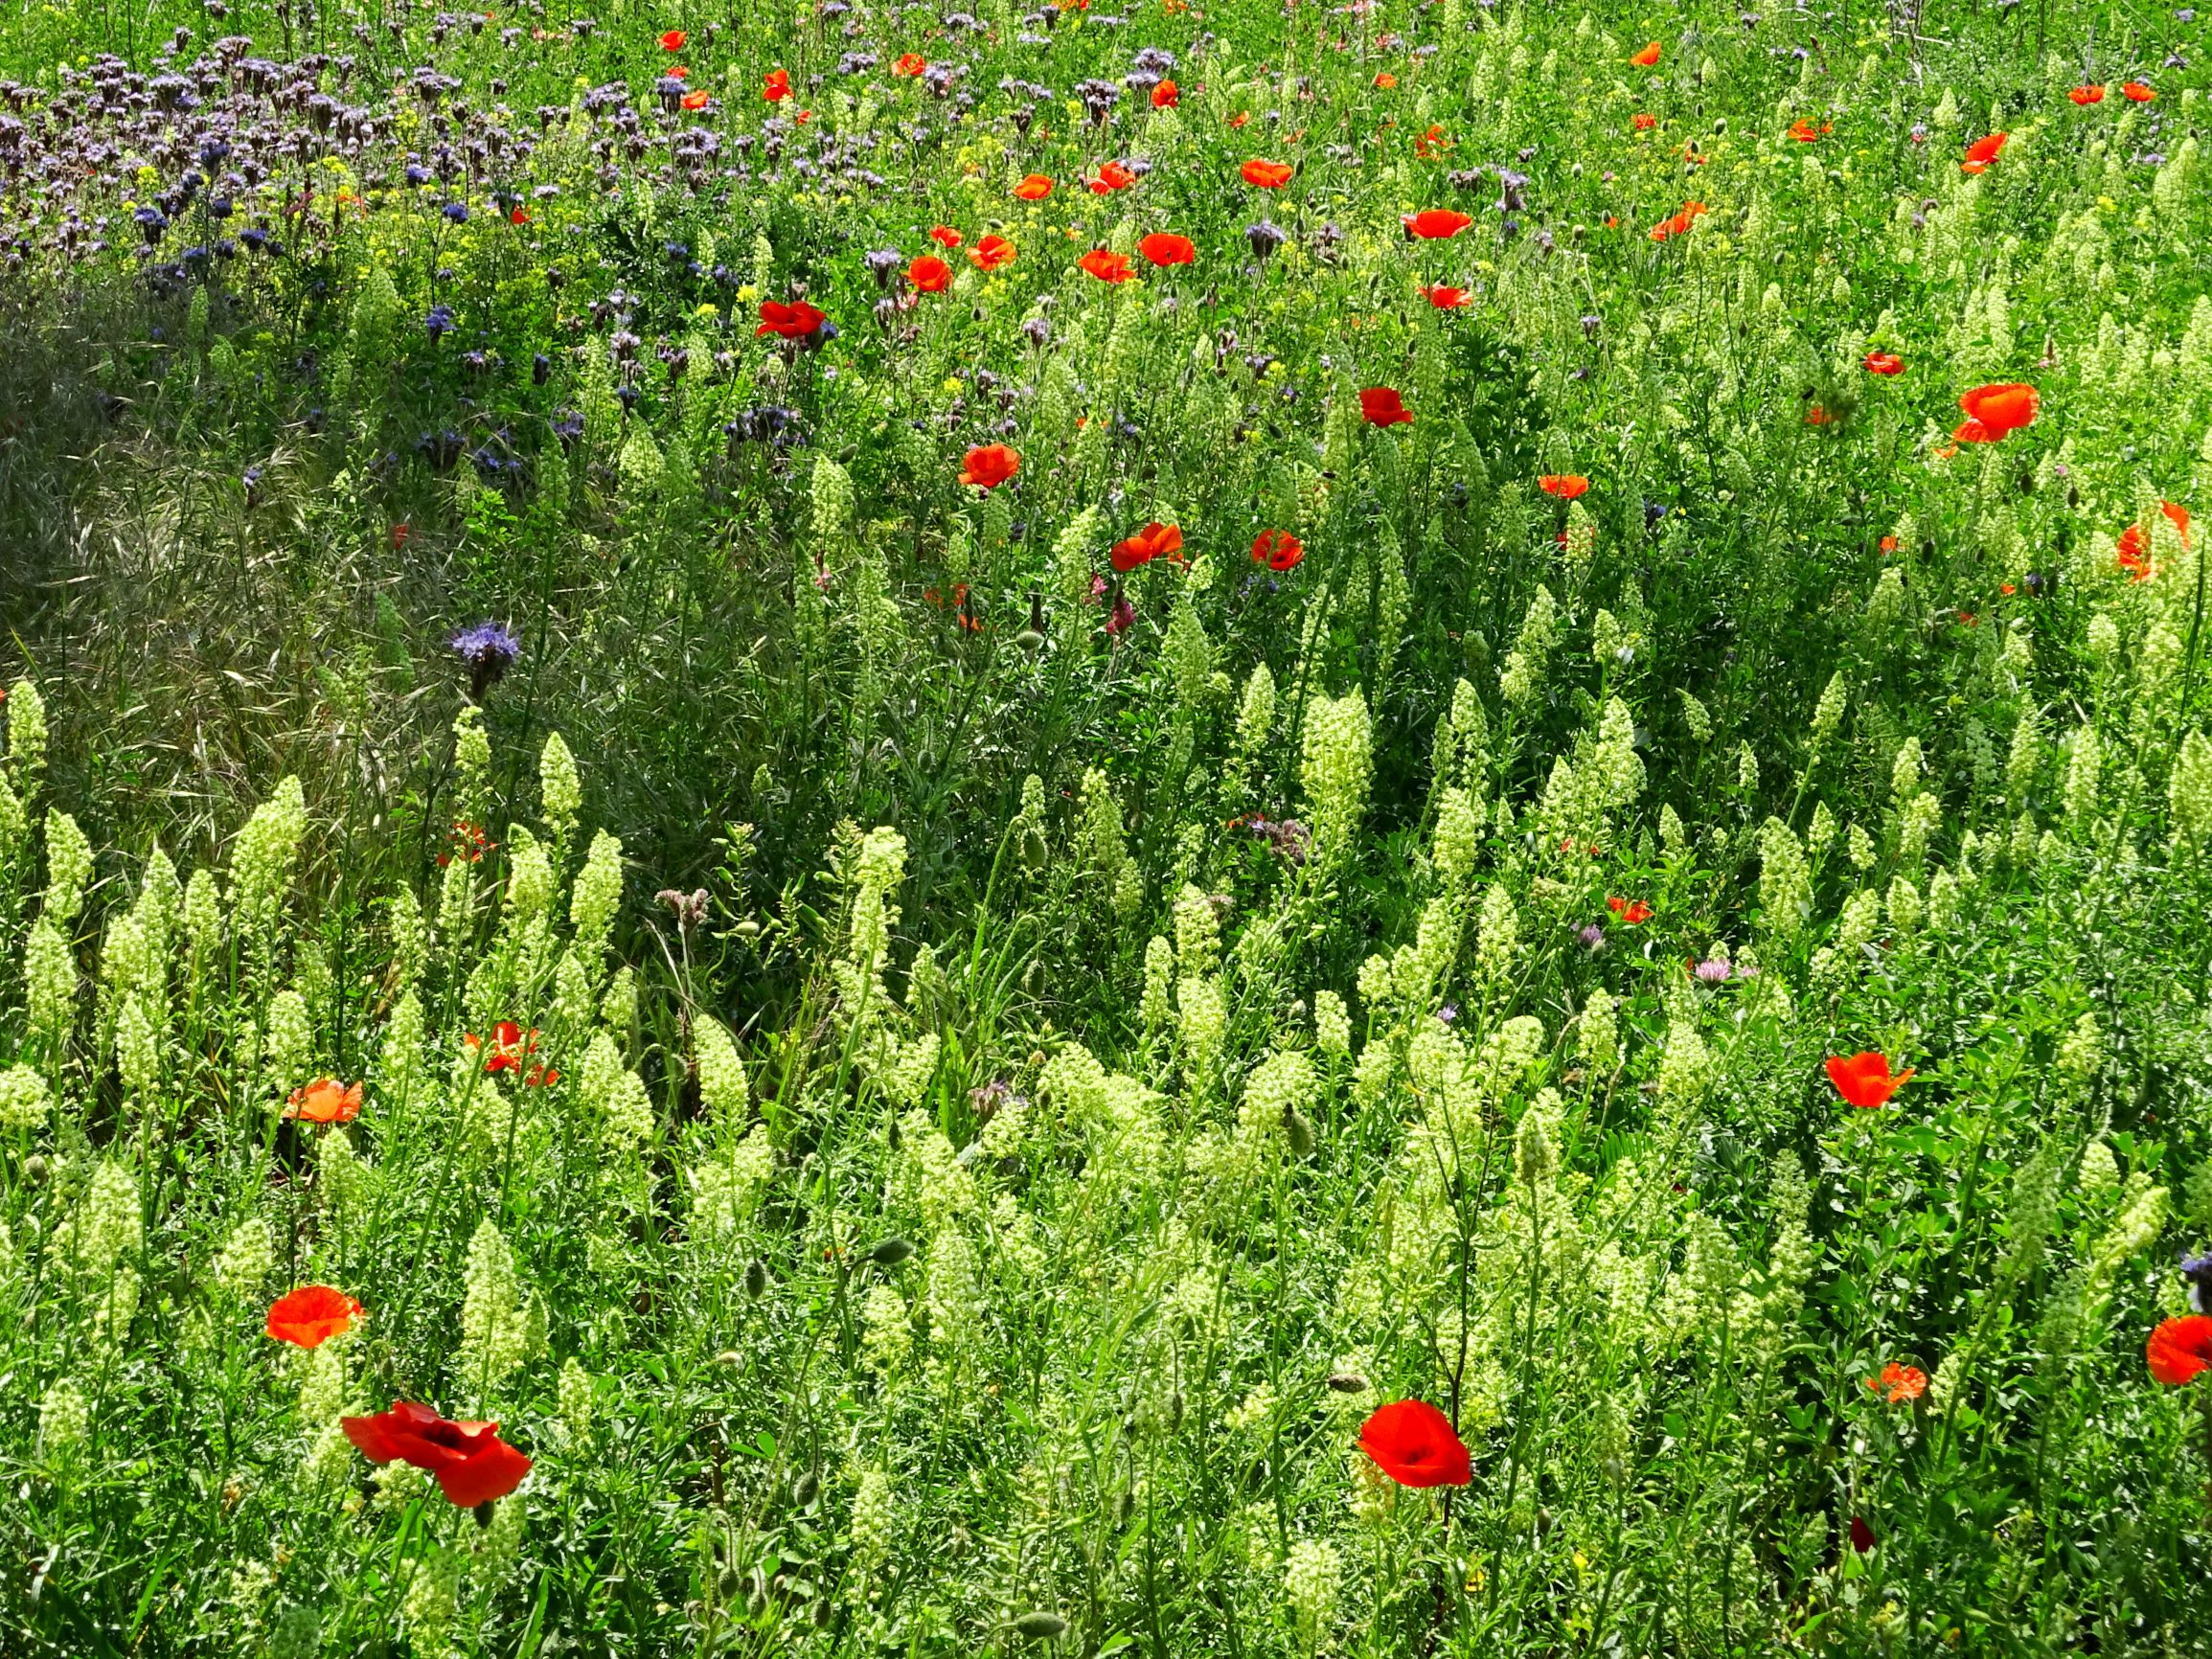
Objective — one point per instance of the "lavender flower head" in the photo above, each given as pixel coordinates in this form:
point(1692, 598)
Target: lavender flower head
point(489, 650)
point(1591, 936)
point(2198, 1271)
point(1266, 238)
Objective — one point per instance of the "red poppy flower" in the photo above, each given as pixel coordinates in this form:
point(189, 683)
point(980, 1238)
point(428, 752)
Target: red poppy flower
point(1444, 299)
point(1982, 151)
point(1435, 224)
point(1156, 540)
point(2179, 1347)
point(991, 253)
point(324, 1100)
point(1240, 118)
point(681, 72)
point(945, 236)
point(2135, 92)
point(690, 100)
point(1412, 1443)
point(1805, 132)
point(990, 465)
point(1816, 415)
point(1643, 122)
point(1164, 95)
point(400, 532)
point(1382, 406)
point(793, 322)
point(1387, 80)
point(1164, 249)
point(1113, 176)
point(777, 85)
point(1861, 1534)
point(1677, 224)
point(511, 1046)
point(1277, 550)
point(674, 40)
point(910, 64)
point(1431, 144)
point(2084, 96)
point(1566, 486)
point(1994, 411)
point(1884, 363)
point(1864, 1080)
point(1646, 57)
point(1631, 912)
point(312, 1316)
point(930, 274)
point(473, 1464)
point(1890, 544)
point(1107, 265)
point(1899, 1383)
point(2135, 544)
point(1265, 174)
point(1036, 186)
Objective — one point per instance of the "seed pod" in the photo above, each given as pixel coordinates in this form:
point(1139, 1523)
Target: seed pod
point(756, 1279)
point(1347, 1382)
point(891, 1252)
point(805, 1489)
point(34, 1166)
point(1300, 1129)
point(825, 1613)
point(1040, 1627)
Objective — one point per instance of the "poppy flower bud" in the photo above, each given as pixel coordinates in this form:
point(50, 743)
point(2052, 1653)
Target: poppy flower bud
point(729, 1582)
point(1174, 1413)
point(1040, 1627)
point(34, 1166)
point(484, 1512)
point(756, 1278)
point(1030, 640)
point(1347, 1382)
point(756, 1603)
point(805, 1489)
point(730, 1357)
point(1299, 1128)
point(891, 1252)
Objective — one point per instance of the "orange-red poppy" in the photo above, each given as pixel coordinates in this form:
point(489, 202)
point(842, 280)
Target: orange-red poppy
point(1677, 224)
point(1805, 132)
point(2135, 92)
point(1107, 265)
point(2135, 544)
point(1265, 174)
point(910, 64)
point(1566, 486)
point(693, 101)
point(1164, 95)
point(472, 1464)
point(312, 1316)
point(681, 72)
point(1435, 224)
point(1643, 122)
point(1982, 151)
point(1036, 186)
point(1884, 363)
point(1240, 118)
point(1113, 176)
point(324, 1100)
point(1413, 1442)
point(1629, 912)
point(776, 85)
point(1382, 406)
point(991, 253)
point(1646, 57)
point(1162, 248)
point(2178, 1349)
point(990, 466)
point(945, 236)
point(674, 40)
point(1864, 1080)
point(1385, 81)
point(793, 322)
point(929, 274)
point(1277, 550)
point(1995, 410)
point(1431, 144)
point(2084, 96)
point(1156, 540)
point(1899, 1383)
point(1444, 299)
point(511, 1047)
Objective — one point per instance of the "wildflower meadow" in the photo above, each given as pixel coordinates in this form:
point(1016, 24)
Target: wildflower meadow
point(1152, 828)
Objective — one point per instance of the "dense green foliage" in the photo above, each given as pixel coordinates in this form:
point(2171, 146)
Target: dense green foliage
point(938, 1105)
